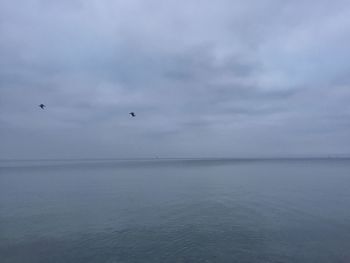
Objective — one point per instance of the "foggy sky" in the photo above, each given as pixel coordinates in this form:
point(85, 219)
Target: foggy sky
point(205, 78)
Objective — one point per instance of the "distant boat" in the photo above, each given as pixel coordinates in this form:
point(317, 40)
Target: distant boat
point(132, 114)
point(42, 106)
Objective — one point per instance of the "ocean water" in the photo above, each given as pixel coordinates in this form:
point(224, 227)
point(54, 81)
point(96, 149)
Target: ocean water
point(218, 210)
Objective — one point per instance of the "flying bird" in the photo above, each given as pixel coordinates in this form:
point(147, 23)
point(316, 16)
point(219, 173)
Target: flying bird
point(132, 114)
point(42, 106)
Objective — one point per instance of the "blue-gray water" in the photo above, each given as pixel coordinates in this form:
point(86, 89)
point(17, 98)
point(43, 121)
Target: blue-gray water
point(175, 211)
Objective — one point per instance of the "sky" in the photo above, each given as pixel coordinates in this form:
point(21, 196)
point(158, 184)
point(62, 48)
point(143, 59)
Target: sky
point(224, 78)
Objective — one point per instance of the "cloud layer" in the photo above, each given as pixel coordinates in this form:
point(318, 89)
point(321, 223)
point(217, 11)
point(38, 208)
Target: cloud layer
point(223, 78)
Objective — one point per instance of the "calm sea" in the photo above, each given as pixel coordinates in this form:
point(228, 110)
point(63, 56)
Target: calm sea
point(216, 210)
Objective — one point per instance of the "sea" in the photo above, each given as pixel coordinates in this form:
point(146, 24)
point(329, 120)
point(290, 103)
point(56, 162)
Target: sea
point(175, 210)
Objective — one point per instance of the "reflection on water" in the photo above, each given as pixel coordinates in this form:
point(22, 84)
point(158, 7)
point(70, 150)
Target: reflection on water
point(175, 211)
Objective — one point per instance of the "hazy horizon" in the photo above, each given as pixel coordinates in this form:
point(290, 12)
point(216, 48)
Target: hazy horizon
point(150, 158)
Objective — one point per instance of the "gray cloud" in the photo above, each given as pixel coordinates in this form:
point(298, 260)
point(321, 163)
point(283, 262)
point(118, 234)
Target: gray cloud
point(229, 78)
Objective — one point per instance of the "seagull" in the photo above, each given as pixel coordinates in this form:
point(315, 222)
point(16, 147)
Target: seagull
point(42, 106)
point(132, 114)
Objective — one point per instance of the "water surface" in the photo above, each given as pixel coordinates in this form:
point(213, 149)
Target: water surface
point(218, 210)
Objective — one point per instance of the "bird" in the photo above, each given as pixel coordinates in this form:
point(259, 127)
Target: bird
point(132, 114)
point(42, 106)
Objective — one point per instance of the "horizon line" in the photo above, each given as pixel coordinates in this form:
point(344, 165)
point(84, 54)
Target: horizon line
point(292, 156)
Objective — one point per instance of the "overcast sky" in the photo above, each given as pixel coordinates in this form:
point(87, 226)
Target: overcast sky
point(205, 78)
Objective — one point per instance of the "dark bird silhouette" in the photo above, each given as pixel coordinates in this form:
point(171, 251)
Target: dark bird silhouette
point(42, 106)
point(132, 114)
